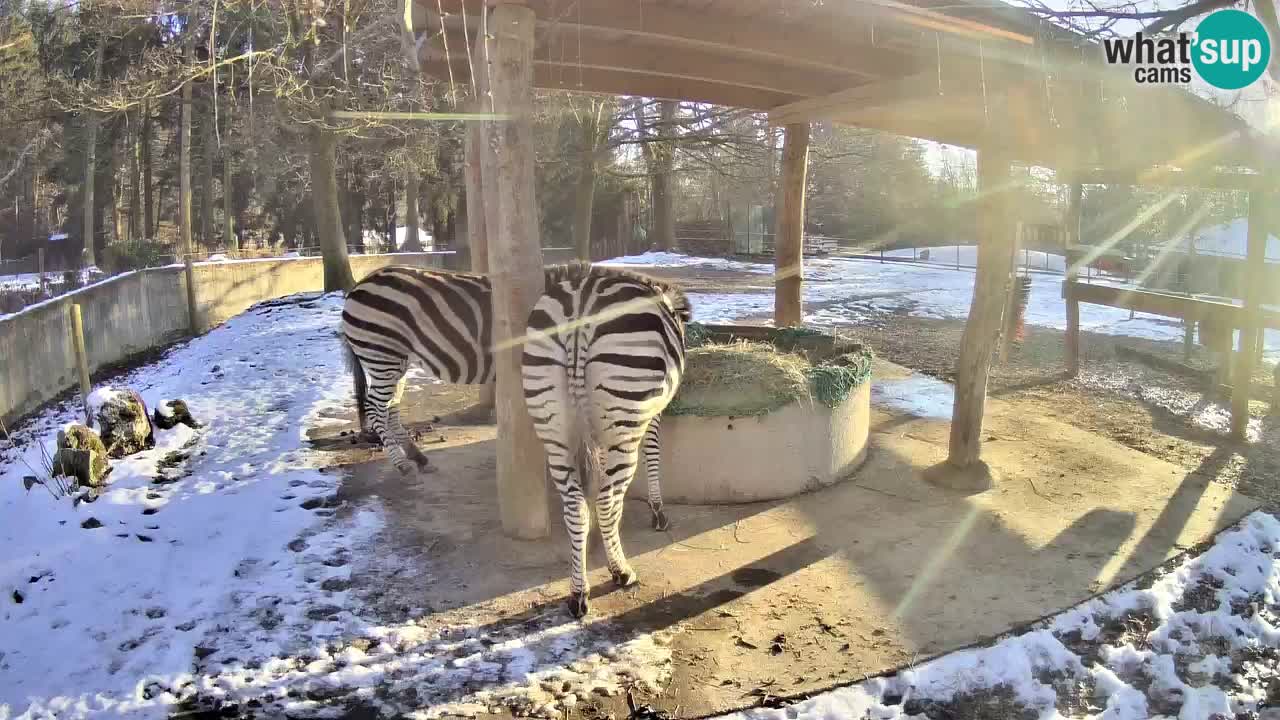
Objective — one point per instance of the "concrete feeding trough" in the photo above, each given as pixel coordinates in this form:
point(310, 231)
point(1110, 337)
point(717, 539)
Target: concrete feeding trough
point(764, 414)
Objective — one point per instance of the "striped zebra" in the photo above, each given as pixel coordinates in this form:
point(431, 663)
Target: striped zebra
point(443, 320)
point(603, 356)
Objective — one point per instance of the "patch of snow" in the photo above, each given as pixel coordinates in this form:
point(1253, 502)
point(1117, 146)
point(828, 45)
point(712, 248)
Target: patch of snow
point(1242, 568)
point(101, 396)
point(218, 565)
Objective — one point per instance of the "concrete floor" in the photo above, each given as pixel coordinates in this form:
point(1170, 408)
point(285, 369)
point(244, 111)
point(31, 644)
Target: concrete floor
point(866, 576)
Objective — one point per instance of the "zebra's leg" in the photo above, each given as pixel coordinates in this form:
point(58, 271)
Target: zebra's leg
point(621, 458)
point(652, 467)
point(577, 522)
point(383, 385)
point(398, 431)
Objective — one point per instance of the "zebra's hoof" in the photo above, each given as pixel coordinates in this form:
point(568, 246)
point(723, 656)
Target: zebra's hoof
point(624, 578)
point(578, 605)
point(660, 522)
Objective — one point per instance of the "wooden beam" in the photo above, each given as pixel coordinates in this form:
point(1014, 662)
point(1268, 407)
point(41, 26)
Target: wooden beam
point(1168, 177)
point(614, 82)
point(1071, 237)
point(985, 314)
point(897, 91)
point(1246, 355)
point(515, 267)
point(562, 50)
point(789, 243)
point(844, 48)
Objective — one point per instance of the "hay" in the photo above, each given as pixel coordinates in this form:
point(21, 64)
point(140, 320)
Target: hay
point(745, 378)
point(740, 378)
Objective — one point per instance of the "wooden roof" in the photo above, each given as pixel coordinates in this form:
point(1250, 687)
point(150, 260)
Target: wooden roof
point(952, 71)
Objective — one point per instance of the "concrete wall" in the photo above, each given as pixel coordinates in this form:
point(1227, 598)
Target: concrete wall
point(139, 311)
point(796, 449)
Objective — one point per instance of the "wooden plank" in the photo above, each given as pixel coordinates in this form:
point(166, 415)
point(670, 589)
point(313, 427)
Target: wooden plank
point(921, 86)
point(1246, 355)
point(985, 315)
point(614, 82)
point(1071, 237)
point(515, 268)
point(477, 238)
point(566, 53)
point(788, 258)
point(842, 49)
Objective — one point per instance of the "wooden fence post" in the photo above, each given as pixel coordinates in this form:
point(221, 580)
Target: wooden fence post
point(40, 264)
point(1251, 327)
point(1072, 239)
point(82, 359)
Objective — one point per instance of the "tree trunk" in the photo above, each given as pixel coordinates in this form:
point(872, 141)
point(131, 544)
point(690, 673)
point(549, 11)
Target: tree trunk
point(515, 265)
point(148, 188)
point(985, 317)
point(135, 186)
point(90, 257)
point(789, 245)
point(185, 245)
point(412, 189)
point(27, 209)
point(228, 207)
point(664, 219)
point(328, 215)
point(206, 175)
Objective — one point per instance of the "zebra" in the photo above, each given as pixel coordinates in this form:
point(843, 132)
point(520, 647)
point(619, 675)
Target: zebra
point(445, 321)
point(603, 356)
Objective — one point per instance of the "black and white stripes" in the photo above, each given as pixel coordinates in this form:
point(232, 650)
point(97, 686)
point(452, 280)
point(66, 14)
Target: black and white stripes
point(444, 321)
point(603, 357)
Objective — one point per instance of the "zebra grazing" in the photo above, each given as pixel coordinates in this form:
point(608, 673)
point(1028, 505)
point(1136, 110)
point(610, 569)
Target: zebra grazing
point(445, 321)
point(603, 357)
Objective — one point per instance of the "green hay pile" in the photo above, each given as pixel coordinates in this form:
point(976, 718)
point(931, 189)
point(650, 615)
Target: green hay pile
point(746, 378)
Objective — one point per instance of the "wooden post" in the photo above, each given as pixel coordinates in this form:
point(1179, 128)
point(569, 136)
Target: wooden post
point(1011, 297)
point(515, 265)
point(40, 264)
point(983, 326)
point(193, 313)
point(789, 244)
point(1251, 327)
point(1071, 236)
point(82, 359)
point(477, 239)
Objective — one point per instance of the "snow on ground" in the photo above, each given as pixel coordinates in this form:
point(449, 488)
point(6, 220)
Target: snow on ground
point(848, 292)
point(1203, 641)
point(967, 256)
point(217, 567)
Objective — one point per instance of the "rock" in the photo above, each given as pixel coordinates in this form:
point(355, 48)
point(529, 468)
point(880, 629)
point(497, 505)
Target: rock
point(82, 455)
point(172, 413)
point(122, 420)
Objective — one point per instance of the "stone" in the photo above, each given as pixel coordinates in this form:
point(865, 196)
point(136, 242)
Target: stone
point(123, 421)
point(172, 413)
point(82, 455)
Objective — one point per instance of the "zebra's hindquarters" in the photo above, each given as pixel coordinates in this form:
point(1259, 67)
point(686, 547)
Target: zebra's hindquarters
point(602, 358)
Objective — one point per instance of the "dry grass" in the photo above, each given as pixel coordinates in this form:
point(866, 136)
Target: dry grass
point(740, 378)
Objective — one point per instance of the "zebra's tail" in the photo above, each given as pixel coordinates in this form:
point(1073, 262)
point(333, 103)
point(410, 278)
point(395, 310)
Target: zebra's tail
point(358, 380)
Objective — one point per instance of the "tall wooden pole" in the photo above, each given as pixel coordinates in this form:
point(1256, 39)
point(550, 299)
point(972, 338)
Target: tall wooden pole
point(985, 315)
point(82, 360)
point(789, 244)
point(477, 238)
point(515, 265)
point(1071, 239)
point(1252, 326)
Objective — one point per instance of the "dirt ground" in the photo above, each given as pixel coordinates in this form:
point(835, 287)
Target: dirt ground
point(1100, 401)
point(778, 599)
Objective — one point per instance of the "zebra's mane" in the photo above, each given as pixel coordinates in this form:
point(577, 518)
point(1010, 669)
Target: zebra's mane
point(578, 270)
